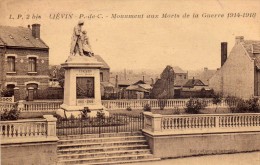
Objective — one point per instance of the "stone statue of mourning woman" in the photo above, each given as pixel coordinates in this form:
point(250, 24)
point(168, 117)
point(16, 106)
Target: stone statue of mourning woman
point(80, 42)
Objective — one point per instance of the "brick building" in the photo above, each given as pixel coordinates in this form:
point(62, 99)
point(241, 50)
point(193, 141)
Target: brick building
point(239, 74)
point(24, 60)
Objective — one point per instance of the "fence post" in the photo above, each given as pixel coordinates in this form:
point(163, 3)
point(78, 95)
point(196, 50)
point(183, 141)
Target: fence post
point(21, 106)
point(156, 122)
point(51, 125)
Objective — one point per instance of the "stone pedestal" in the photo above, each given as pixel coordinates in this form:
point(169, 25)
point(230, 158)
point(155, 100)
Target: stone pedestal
point(81, 86)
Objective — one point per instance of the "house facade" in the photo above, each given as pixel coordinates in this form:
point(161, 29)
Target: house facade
point(24, 59)
point(239, 75)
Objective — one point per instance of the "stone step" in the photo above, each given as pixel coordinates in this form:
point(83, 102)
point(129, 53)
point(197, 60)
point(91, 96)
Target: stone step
point(84, 136)
point(103, 154)
point(100, 149)
point(103, 139)
point(103, 144)
point(106, 159)
point(125, 161)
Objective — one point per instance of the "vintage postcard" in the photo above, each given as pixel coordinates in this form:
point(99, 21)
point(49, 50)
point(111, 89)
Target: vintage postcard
point(130, 81)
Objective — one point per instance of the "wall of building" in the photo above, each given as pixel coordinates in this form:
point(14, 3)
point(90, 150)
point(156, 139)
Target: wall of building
point(257, 82)
point(21, 76)
point(180, 76)
point(236, 76)
point(172, 146)
point(106, 74)
point(29, 153)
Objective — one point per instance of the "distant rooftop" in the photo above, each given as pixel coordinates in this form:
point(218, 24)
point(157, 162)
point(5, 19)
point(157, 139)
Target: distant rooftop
point(177, 69)
point(19, 37)
point(100, 59)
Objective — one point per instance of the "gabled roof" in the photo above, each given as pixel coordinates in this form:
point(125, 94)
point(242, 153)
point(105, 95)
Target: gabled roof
point(136, 88)
point(19, 37)
point(100, 59)
point(145, 86)
point(253, 49)
point(180, 82)
point(193, 82)
point(139, 82)
point(177, 70)
point(206, 75)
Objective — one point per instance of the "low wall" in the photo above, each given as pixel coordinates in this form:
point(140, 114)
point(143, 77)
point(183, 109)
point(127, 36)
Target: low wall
point(29, 141)
point(202, 134)
point(44, 153)
point(173, 146)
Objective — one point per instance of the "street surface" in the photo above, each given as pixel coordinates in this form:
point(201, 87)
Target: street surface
point(251, 158)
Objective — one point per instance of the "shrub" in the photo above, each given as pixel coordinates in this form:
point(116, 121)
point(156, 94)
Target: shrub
point(216, 99)
point(12, 114)
point(100, 114)
point(129, 109)
point(238, 105)
point(162, 103)
point(193, 106)
point(147, 107)
point(85, 111)
point(176, 111)
point(7, 93)
point(57, 116)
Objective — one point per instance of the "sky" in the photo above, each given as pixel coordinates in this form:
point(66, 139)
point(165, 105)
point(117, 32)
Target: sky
point(140, 43)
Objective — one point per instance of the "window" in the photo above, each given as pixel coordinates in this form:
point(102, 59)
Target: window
point(101, 77)
point(11, 64)
point(10, 90)
point(32, 64)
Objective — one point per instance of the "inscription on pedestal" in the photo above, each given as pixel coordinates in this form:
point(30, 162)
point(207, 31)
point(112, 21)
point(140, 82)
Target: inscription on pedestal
point(82, 102)
point(84, 72)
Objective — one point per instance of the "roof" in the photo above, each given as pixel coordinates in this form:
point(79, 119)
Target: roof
point(177, 69)
point(206, 75)
point(180, 82)
point(194, 82)
point(145, 86)
point(253, 49)
point(139, 82)
point(19, 37)
point(136, 88)
point(100, 59)
point(107, 84)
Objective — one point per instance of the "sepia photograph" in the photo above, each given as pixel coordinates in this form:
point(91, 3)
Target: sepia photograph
point(135, 82)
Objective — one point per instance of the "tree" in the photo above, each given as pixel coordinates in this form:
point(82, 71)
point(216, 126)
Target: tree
point(216, 100)
point(58, 73)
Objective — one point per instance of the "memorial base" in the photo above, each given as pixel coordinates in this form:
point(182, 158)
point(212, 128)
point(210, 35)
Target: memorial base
point(77, 111)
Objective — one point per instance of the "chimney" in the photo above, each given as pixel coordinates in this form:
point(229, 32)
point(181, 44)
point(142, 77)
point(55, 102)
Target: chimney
point(239, 39)
point(223, 52)
point(116, 84)
point(36, 30)
point(143, 78)
point(152, 81)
